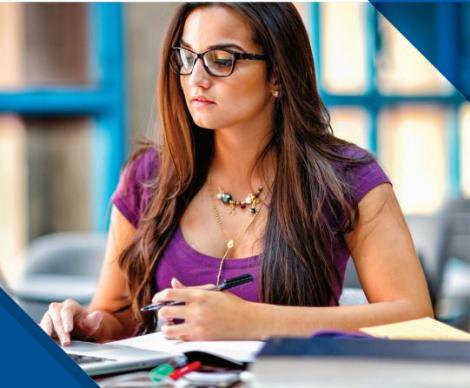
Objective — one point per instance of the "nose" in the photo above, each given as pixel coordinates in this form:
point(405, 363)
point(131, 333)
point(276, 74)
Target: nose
point(199, 75)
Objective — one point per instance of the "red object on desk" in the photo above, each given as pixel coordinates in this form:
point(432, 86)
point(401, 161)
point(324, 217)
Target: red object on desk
point(178, 373)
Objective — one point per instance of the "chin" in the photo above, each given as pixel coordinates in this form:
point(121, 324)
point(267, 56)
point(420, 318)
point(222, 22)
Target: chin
point(209, 123)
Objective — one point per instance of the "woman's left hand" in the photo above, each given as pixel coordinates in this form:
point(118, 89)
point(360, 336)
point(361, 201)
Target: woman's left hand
point(207, 315)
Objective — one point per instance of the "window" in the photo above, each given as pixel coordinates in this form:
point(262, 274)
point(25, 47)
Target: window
point(62, 121)
point(385, 96)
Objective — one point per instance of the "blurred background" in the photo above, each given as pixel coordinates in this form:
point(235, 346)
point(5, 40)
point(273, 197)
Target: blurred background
point(77, 92)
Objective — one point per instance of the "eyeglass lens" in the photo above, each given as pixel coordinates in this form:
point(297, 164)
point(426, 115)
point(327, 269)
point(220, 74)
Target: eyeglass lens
point(218, 62)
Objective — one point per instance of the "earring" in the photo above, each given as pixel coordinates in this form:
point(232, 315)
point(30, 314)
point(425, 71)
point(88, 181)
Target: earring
point(275, 93)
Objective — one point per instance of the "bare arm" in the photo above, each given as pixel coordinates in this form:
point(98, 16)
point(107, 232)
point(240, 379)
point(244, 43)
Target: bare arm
point(112, 293)
point(102, 321)
point(388, 268)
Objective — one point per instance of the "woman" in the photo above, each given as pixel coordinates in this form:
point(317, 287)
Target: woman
point(248, 179)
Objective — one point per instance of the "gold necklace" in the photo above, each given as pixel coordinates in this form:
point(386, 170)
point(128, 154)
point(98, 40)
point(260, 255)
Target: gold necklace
point(230, 244)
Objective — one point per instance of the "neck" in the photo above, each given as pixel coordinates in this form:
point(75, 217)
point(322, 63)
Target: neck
point(235, 157)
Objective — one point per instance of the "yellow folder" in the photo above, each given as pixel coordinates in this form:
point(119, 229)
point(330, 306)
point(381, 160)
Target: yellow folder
point(419, 329)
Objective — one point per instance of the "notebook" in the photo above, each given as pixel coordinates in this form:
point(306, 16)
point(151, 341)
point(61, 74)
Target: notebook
point(237, 351)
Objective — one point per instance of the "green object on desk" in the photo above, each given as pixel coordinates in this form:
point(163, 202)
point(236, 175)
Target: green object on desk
point(161, 372)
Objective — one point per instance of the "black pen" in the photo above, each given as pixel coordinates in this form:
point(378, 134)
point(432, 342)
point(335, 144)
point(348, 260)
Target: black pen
point(225, 285)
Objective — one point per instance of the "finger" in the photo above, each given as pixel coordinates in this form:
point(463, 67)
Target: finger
point(91, 322)
point(169, 313)
point(175, 283)
point(208, 286)
point(69, 310)
point(54, 312)
point(46, 324)
point(180, 332)
point(173, 294)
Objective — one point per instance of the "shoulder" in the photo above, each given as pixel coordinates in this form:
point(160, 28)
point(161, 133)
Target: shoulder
point(140, 170)
point(134, 190)
point(360, 171)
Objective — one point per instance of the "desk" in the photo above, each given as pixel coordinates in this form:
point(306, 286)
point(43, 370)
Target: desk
point(365, 362)
point(353, 375)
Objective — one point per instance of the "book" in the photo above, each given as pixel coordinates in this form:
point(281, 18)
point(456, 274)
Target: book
point(374, 348)
point(361, 362)
point(416, 353)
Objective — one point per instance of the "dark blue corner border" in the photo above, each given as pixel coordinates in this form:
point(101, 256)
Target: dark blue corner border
point(29, 357)
point(440, 30)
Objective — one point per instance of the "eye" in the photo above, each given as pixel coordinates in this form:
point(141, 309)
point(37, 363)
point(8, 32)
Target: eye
point(223, 62)
point(219, 58)
point(186, 58)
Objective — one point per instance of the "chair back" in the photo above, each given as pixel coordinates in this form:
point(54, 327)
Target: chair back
point(70, 253)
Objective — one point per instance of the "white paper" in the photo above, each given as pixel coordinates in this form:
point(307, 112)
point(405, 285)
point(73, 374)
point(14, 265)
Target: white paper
point(244, 351)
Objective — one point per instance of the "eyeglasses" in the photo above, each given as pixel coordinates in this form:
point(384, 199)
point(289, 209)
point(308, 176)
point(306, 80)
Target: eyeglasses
point(217, 62)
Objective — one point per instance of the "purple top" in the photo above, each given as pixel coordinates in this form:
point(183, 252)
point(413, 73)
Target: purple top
point(193, 268)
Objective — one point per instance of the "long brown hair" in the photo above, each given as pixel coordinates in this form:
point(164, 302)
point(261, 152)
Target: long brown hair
point(310, 205)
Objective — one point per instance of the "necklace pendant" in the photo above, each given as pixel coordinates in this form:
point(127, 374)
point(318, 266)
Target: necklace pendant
point(230, 244)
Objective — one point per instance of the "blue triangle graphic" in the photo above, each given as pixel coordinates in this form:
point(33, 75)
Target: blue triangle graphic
point(29, 357)
point(440, 30)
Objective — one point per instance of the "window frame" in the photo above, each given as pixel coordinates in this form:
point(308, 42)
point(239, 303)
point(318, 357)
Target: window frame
point(103, 101)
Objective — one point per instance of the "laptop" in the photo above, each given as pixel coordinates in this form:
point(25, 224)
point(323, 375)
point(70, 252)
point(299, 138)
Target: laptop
point(99, 359)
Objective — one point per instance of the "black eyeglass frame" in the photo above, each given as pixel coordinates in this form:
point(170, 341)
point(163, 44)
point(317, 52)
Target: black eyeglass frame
point(235, 56)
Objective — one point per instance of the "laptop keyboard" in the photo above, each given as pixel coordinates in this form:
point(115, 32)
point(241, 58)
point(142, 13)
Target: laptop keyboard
point(81, 359)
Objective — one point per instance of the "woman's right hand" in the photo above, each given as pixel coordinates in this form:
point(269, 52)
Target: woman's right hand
point(70, 319)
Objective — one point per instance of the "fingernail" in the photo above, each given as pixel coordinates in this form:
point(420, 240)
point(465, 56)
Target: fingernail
point(96, 316)
point(96, 323)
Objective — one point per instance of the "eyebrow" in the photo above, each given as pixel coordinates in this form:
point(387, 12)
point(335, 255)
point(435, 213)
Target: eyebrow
point(215, 46)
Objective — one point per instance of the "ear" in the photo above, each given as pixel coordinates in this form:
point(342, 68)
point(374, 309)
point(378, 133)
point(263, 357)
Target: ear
point(274, 81)
point(274, 86)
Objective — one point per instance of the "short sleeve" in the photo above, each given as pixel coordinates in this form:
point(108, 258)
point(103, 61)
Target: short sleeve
point(363, 177)
point(133, 192)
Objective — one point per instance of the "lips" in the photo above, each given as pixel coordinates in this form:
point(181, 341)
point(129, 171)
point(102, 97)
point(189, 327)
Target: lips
point(201, 99)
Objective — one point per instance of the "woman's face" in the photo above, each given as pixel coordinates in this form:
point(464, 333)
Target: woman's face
point(241, 99)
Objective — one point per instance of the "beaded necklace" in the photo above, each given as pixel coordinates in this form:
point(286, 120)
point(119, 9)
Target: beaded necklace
point(251, 199)
point(230, 244)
